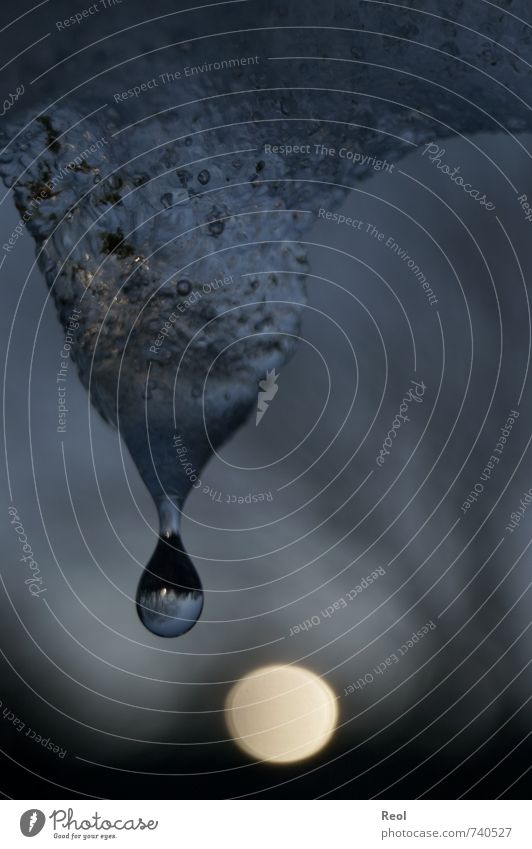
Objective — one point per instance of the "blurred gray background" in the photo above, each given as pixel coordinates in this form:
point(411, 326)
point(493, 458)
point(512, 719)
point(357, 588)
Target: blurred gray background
point(82, 670)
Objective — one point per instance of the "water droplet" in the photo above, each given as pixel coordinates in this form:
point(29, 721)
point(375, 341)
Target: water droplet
point(169, 594)
point(196, 391)
point(204, 177)
point(183, 287)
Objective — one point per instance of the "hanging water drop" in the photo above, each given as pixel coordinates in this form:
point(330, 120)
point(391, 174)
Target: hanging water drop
point(169, 594)
point(204, 371)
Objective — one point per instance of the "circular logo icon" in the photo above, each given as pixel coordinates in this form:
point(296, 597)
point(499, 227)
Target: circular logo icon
point(32, 822)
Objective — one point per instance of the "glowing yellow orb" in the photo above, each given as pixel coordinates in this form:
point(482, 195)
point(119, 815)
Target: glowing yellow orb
point(281, 714)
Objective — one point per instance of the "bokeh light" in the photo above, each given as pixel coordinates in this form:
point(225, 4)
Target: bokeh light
point(281, 714)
